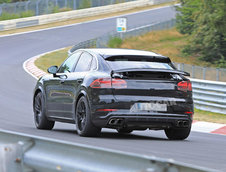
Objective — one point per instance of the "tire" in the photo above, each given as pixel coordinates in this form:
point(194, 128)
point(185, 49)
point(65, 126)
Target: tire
point(41, 122)
point(177, 134)
point(84, 124)
point(124, 131)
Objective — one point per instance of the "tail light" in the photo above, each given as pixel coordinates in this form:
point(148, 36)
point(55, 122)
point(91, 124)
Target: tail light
point(109, 83)
point(184, 86)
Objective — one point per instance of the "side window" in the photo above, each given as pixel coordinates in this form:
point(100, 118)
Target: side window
point(93, 64)
point(69, 64)
point(84, 63)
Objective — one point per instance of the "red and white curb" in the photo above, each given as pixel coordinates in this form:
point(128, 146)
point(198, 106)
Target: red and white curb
point(199, 126)
point(209, 127)
point(30, 67)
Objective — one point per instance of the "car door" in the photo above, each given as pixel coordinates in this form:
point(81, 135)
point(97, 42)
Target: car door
point(75, 79)
point(60, 92)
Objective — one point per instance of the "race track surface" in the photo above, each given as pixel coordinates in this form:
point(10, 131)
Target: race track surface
point(16, 89)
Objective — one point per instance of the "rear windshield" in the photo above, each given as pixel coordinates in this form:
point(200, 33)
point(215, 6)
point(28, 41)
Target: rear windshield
point(118, 63)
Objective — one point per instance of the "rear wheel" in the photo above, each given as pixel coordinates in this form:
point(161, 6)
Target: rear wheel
point(83, 119)
point(177, 133)
point(124, 131)
point(41, 122)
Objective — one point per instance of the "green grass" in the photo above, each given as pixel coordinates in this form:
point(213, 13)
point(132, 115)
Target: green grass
point(201, 115)
point(8, 16)
point(115, 42)
point(54, 58)
point(167, 42)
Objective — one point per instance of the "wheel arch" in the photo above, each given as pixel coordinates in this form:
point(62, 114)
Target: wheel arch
point(38, 90)
point(81, 93)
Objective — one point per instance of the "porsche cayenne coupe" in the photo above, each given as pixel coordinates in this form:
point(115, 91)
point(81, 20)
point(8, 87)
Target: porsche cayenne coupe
point(121, 89)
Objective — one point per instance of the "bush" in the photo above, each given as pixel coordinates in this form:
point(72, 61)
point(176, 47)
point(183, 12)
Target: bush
point(27, 14)
point(115, 42)
point(85, 4)
point(8, 16)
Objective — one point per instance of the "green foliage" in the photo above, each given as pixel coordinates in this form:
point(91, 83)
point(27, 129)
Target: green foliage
point(85, 4)
point(206, 26)
point(5, 1)
point(115, 42)
point(27, 14)
point(188, 13)
point(8, 16)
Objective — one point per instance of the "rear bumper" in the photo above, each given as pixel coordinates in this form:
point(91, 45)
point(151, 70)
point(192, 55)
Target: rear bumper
point(143, 120)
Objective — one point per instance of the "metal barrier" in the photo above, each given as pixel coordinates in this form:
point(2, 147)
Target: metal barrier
point(39, 7)
point(206, 73)
point(208, 95)
point(23, 153)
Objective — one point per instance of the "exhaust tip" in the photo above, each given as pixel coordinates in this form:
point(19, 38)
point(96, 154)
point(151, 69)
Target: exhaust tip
point(116, 121)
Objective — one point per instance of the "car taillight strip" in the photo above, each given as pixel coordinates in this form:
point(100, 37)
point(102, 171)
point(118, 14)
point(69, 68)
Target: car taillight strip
point(108, 83)
point(106, 110)
point(184, 86)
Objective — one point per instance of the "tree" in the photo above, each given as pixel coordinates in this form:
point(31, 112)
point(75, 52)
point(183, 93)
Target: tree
point(206, 26)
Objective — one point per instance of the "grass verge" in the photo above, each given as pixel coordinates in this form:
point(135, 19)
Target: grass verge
point(50, 59)
point(201, 115)
point(166, 42)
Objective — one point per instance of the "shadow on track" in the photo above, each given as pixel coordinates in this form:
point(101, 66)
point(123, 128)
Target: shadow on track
point(114, 135)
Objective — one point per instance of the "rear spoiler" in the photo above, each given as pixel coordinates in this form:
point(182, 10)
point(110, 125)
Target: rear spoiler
point(151, 70)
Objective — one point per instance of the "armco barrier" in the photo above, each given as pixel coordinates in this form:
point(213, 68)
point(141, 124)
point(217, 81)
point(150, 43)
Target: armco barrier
point(50, 18)
point(209, 95)
point(23, 153)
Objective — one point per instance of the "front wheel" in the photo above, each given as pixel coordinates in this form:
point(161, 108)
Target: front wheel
point(177, 133)
point(83, 119)
point(41, 122)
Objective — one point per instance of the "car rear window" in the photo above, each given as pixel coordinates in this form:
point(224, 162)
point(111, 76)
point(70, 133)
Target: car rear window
point(126, 62)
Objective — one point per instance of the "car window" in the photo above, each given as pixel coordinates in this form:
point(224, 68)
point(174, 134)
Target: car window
point(84, 63)
point(125, 62)
point(93, 64)
point(69, 64)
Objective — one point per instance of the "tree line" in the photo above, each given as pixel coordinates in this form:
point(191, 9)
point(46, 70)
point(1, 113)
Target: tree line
point(204, 21)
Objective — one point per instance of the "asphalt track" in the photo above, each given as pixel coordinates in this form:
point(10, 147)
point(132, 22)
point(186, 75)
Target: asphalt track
point(16, 89)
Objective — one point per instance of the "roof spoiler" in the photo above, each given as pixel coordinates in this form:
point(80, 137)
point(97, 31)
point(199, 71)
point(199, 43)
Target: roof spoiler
point(151, 70)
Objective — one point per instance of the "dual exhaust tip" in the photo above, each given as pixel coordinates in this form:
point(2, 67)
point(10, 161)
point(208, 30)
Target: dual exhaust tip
point(116, 121)
point(182, 123)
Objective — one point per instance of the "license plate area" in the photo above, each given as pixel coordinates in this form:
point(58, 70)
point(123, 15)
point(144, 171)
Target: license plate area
point(139, 107)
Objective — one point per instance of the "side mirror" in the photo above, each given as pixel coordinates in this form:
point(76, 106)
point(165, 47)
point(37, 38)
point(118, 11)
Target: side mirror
point(53, 70)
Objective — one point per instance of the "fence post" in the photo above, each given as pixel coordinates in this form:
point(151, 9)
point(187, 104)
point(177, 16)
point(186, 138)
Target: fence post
point(26, 6)
point(0, 10)
point(47, 6)
point(182, 66)
point(37, 8)
point(204, 73)
point(15, 7)
point(74, 4)
point(192, 71)
point(217, 74)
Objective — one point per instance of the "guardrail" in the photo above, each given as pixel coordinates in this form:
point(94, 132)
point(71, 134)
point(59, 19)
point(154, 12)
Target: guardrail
point(23, 153)
point(208, 95)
